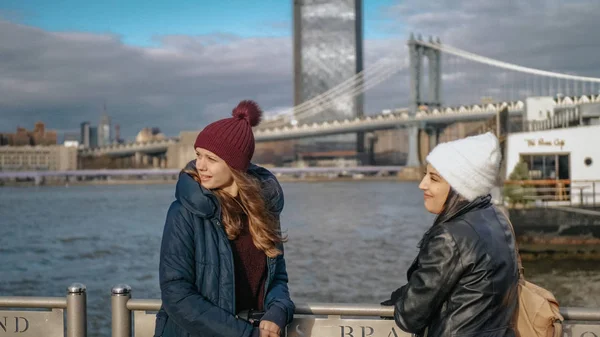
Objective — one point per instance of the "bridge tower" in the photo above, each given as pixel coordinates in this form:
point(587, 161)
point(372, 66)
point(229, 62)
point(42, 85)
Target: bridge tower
point(417, 53)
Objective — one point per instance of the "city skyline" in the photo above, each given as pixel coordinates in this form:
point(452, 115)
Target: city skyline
point(163, 68)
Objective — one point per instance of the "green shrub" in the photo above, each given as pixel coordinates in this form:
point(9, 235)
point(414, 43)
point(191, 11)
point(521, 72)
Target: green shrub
point(515, 194)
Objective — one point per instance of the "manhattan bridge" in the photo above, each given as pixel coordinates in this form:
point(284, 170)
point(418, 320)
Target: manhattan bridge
point(446, 85)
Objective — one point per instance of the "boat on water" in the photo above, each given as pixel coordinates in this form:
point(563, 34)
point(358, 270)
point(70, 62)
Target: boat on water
point(136, 317)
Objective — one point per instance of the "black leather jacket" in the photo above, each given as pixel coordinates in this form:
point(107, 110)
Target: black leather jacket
point(464, 280)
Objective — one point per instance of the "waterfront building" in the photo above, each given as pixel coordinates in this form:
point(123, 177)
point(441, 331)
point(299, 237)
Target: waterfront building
point(560, 147)
point(38, 158)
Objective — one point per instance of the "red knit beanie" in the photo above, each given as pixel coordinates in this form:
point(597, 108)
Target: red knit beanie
point(231, 138)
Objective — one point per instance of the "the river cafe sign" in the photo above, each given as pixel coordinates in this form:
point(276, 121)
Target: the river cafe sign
point(543, 142)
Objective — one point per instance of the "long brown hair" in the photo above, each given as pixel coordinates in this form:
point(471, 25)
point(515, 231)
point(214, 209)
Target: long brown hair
point(263, 224)
point(454, 203)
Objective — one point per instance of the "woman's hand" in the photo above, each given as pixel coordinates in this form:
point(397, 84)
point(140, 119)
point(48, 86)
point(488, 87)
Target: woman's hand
point(394, 297)
point(269, 329)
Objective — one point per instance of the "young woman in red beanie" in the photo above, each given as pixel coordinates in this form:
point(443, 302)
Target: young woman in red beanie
point(222, 270)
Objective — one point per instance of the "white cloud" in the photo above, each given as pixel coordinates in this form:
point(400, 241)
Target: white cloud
point(188, 81)
point(64, 78)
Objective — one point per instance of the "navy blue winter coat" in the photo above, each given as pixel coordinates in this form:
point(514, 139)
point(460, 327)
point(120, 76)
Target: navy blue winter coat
point(196, 265)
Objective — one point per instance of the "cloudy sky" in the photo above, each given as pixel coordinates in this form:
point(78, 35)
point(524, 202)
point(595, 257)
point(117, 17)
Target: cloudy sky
point(181, 64)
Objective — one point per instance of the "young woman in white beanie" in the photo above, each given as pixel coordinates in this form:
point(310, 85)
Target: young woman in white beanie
point(464, 280)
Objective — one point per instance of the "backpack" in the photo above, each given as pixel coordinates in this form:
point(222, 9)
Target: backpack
point(538, 312)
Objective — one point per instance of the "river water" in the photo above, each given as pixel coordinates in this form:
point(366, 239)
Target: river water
point(348, 242)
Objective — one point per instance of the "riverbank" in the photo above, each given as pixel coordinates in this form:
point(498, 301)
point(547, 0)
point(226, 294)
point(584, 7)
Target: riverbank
point(150, 181)
point(88, 183)
point(557, 233)
point(541, 251)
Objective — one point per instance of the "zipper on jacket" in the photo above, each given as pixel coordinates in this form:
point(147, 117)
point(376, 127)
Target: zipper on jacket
point(267, 283)
point(232, 263)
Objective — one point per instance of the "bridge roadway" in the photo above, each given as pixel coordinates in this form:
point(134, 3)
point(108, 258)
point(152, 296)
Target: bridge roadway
point(381, 121)
point(171, 172)
point(373, 123)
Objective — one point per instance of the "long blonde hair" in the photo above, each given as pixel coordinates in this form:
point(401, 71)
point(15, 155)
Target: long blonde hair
point(263, 224)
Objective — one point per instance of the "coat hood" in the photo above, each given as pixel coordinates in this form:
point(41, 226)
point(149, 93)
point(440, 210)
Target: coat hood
point(195, 198)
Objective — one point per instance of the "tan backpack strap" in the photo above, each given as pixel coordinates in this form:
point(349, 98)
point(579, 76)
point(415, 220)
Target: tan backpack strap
point(557, 330)
point(519, 263)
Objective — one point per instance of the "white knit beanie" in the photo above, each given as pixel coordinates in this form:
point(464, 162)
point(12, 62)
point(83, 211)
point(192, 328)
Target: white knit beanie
point(470, 165)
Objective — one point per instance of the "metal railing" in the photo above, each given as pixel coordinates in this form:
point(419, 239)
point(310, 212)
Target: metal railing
point(554, 192)
point(319, 319)
point(136, 317)
point(47, 323)
point(562, 119)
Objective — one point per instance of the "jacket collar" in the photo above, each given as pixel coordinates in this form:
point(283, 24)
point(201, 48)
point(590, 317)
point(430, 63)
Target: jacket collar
point(478, 203)
point(195, 198)
point(201, 201)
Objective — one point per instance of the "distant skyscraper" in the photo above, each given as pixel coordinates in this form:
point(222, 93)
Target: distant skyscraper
point(85, 134)
point(118, 134)
point(327, 51)
point(104, 134)
point(94, 136)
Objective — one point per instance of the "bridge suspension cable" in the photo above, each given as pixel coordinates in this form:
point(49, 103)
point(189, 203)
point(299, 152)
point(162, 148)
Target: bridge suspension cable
point(363, 86)
point(374, 74)
point(500, 64)
point(384, 69)
point(339, 90)
point(364, 80)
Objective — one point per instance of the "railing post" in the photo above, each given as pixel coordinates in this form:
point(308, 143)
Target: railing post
point(594, 194)
point(121, 316)
point(76, 310)
point(571, 193)
point(581, 197)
